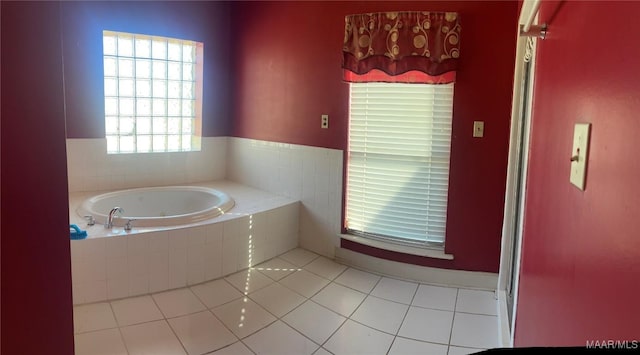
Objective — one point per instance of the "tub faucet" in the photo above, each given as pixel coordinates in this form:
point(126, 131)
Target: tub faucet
point(112, 213)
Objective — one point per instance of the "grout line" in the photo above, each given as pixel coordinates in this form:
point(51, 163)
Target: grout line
point(116, 327)
point(291, 289)
point(433, 308)
point(392, 342)
point(164, 316)
point(406, 313)
point(239, 340)
point(300, 305)
point(95, 330)
point(355, 289)
point(396, 302)
point(294, 308)
point(126, 348)
point(358, 307)
point(275, 315)
point(177, 337)
point(376, 285)
point(347, 269)
point(421, 341)
point(321, 348)
point(376, 329)
point(258, 330)
point(324, 277)
point(320, 290)
point(227, 346)
point(221, 304)
point(299, 332)
point(166, 320)
point(246, 346)
point(315, 256)
point(349, 318)
point(328, 309)
point(341, 272)
point(229, 329)
point(478, 314)
point(455, 305)
point(294, 328)
point(113, 312)
point(334, 333)
point(250, 334)
point(415, 292)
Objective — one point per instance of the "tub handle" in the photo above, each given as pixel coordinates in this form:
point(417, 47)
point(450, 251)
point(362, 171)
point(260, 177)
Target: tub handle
point(90, 220)
point(129, 226)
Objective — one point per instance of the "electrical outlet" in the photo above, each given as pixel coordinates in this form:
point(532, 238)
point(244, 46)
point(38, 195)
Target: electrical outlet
point(324, 122)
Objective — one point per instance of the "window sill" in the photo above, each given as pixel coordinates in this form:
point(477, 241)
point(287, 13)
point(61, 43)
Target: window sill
point(405, 249)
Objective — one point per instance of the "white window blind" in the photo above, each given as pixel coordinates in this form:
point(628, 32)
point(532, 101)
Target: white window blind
point(398, 168)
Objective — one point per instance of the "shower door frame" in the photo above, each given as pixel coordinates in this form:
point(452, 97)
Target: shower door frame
point(508, 279)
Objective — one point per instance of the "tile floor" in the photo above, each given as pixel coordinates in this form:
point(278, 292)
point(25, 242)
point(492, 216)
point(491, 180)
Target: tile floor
point(298, 303)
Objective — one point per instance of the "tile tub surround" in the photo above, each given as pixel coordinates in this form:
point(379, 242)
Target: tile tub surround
point(90, 168)
point(116, 264)
point(311, 175)
point(308, 174)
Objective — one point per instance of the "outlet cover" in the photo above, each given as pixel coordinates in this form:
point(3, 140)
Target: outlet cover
point(580, 154)
point(324, 121)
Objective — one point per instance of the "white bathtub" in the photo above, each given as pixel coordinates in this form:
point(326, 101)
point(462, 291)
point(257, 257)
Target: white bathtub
point(114, 263)
point(158, 206)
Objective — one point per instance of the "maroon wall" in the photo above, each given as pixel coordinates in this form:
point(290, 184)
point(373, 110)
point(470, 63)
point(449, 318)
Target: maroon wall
point(581, 249)
point(288, 58)
point(36, 269)
point(82, 25)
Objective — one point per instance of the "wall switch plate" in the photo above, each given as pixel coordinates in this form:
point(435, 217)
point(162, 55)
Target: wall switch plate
point(478, 129)
point(324, 122)
point(580, 154)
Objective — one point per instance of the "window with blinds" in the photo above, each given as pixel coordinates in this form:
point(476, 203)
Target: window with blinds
point(398, 163)
point(152, 93)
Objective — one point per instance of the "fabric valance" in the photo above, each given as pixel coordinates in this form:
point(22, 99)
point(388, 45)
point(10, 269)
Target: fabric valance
point(400, 42)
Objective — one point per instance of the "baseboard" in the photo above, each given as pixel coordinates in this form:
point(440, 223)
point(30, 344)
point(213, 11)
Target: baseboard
point(423, 274)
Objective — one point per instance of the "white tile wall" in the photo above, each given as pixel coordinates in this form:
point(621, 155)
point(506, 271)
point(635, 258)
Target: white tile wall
point(309, 174)
point(90, 168)
point(111, 268)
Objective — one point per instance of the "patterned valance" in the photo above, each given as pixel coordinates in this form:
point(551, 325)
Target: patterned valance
point(400, 42)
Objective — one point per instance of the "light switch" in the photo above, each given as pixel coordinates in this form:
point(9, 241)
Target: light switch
point(478, 129)
point(580, 154)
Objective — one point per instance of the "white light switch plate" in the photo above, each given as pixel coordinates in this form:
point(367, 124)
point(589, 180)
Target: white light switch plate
point(478, 129)
point(580, 154)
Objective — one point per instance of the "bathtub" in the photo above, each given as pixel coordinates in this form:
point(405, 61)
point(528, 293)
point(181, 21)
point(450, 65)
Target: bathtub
point(158, 206)
point(114, 263)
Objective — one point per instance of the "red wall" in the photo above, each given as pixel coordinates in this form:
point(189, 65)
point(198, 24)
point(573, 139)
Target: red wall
point(288, 58)
point(82, 25)
point(36, 269)
point(581, 249)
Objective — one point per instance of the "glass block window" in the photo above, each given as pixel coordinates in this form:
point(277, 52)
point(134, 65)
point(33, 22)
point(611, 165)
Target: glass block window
point(152, 93)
